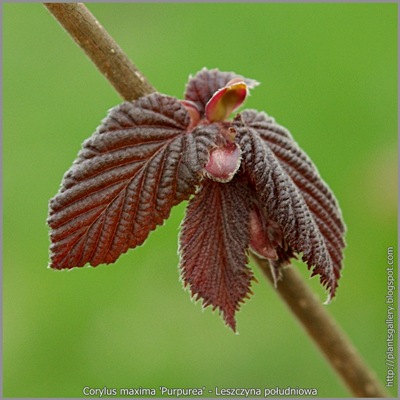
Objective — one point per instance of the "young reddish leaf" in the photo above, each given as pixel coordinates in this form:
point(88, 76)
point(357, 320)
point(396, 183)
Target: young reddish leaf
point(293, 194)
point(205, 83)
point(225, 101)
point(135, 167)
point(317, 195)
point(213, 243)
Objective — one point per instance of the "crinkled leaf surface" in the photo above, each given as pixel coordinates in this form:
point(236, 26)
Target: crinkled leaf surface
point(130, 172)
point(213, 243)
point(293, 194)
point(205, 83)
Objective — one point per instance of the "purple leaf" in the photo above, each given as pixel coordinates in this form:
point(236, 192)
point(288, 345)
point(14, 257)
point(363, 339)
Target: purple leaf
point(304, 174)
point(137, 165)
point(292, 194)
point(213, 243)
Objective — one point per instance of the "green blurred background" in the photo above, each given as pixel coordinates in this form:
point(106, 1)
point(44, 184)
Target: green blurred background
point(328, 73)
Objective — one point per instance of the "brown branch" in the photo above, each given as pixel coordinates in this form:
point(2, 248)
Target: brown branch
point(101, 48)
point(329, 337)
point(130, 83)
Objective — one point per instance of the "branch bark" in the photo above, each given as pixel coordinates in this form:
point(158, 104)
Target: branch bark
point(329, 337)
point(101, 48)
point(130, 83)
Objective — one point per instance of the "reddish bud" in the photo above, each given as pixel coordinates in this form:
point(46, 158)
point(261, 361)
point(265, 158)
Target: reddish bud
point(224, 162)
point(226, 100)
point(260, 237)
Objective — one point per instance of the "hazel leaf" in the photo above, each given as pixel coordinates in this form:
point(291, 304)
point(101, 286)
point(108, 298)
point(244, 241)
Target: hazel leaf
point(213, 242)
point(293, 194)
point(304, 174)
point(129, 174)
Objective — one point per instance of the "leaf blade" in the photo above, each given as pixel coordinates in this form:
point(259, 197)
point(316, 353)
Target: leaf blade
point(294, 195)
point(213, 243)
point(125, 181)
